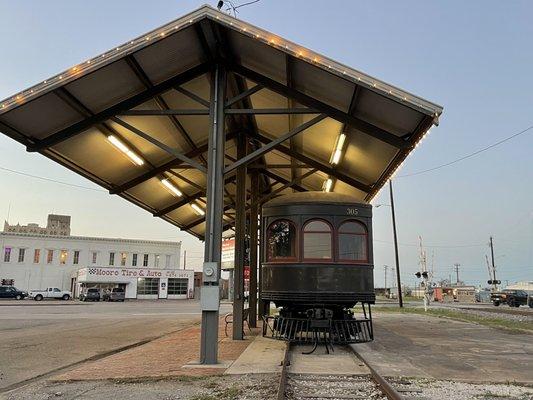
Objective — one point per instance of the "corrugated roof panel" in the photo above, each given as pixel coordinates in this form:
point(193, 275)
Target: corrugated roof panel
point(106, 87)
point(170, 56)
point(322, 85)
point(42, 116)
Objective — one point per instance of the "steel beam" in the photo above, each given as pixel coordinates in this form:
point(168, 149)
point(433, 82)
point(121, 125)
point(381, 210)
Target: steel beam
point(332, 112)
point(166, 112)
point(269, 146)
point(159, 144)
point(240, 235)
point(104, 115)
point(247, 93)
point(214, 219)
point(319, 166)
point(282, 180)
point(183, 202)
point(192, 96)
point(271, 111)
point(254, 214)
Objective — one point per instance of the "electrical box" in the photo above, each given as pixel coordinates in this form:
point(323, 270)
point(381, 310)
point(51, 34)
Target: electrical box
point(210, 298)
point(210, 272)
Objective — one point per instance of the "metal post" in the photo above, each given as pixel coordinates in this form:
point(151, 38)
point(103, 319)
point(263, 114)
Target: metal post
point(214, 224)
point(240, 238)
point(493, 265)
point(254, 214)
point(398, 279)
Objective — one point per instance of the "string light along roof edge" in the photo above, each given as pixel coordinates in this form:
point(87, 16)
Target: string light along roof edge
point(245, 28)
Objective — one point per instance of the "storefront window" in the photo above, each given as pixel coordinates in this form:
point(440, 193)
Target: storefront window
point(353, 242)
point(317, 240)
point(147, 285)
point(177, 285)
point(281, 241)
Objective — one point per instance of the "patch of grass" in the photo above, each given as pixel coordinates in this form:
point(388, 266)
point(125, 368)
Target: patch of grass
point(493, 322)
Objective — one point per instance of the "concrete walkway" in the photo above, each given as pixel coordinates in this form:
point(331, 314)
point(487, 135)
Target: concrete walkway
point(418, 346)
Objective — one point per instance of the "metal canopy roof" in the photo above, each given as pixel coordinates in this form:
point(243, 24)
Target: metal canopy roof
point(150, 97)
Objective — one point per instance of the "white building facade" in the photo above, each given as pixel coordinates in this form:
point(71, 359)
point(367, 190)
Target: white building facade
point(31, 261)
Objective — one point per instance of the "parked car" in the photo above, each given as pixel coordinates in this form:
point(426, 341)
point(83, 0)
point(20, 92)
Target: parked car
point(513, 298)
point(115, 294)
point(11, 292)
point(91, 294)
point(50, 293)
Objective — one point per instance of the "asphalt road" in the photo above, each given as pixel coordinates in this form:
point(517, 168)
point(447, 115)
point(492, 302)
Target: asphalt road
point(38, 338)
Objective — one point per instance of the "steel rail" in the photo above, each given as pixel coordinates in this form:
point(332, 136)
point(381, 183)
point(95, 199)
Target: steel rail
point(385, 386)
point(284, 372)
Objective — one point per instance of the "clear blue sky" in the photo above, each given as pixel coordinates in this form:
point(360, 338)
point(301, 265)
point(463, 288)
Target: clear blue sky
point(474, 58)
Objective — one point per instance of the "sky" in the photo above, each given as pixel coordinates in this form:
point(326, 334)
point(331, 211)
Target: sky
point(474, 58)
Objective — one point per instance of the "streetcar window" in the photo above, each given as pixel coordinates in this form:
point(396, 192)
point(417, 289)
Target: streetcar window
point(353, 242)
point(281, 241)
point(317, 240)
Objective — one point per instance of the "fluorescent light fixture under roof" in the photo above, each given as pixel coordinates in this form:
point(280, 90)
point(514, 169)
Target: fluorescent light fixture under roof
point(197, 209)
point(328, 184)
point(337, 153)
point(119, 144)
point(170, 186)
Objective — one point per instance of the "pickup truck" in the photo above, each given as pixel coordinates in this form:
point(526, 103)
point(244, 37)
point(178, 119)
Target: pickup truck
point(513, 298)
point(50, 293)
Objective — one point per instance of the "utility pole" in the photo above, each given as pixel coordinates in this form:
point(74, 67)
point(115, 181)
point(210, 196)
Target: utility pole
point(184, 259)
point(492, 257)
point(385, 267)
point(456, 269)
point(400, 300)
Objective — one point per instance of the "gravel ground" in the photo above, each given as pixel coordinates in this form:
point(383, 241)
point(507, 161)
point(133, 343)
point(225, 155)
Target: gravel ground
point(332, 387)
point(226, 387)
point(433, 389)
point(492, 314)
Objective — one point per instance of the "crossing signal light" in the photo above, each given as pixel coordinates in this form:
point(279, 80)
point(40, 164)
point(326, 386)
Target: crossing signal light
point(425, 274)
point(418, 274)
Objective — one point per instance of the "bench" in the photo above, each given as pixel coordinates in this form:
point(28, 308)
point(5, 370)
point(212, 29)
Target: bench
point(228, 319)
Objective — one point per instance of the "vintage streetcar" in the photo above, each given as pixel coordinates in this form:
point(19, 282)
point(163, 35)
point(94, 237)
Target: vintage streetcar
point(317, 266)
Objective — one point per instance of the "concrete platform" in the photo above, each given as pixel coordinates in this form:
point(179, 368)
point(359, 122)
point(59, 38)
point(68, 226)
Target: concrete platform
point(418, 346)
point(341, 362)
point(262, 356)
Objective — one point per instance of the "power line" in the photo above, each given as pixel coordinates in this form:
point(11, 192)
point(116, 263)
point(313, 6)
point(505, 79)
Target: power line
point(475, 153)
point(52, 180)
point(433, 246)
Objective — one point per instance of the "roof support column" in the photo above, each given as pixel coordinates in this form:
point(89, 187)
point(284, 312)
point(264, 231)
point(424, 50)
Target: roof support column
point(254, 215)
point(214, 223)
point(240, 241)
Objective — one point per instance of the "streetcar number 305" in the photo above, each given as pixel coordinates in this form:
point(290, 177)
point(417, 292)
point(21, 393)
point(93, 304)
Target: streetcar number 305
point(352, 211)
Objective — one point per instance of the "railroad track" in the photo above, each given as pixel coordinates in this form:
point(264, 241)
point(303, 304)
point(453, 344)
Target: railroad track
point(308, 386)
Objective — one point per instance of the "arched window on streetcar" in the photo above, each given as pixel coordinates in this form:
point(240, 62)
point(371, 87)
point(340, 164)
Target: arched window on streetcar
point(353, 242)
point(317, 241)
point(281, 239)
